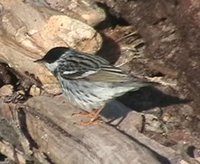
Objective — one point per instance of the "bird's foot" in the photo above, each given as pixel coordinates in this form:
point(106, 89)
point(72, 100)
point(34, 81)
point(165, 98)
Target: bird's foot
point(91, 122)
point(84, 114)
point(93, 116)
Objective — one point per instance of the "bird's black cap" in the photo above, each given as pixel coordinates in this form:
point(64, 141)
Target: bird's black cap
point(53, 54)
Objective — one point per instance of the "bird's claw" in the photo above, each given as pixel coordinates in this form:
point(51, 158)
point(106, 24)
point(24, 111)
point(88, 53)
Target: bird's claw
point(90, 123)
point(94, 118)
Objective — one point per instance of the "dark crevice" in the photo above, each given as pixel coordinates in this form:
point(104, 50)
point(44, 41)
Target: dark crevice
point(190, 151)
point(2, 157)
point(110, 50)
point(48, 159)
point(24, 129)
point(112, 19)
point(7, 76)
point(155, 74)
point(160, 21)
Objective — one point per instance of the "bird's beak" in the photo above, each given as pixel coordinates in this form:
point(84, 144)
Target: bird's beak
point(38, 61)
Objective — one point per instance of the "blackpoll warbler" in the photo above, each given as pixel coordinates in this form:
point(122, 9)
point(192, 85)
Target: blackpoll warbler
point(88, 81)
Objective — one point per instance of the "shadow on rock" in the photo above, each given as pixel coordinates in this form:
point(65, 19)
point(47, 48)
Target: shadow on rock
point(110, 50)
point(142, 100)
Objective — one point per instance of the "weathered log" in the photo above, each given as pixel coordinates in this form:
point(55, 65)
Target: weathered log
point(51, 128)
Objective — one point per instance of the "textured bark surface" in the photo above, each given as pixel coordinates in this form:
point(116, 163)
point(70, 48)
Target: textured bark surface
point(48, 127)
point(171, 29)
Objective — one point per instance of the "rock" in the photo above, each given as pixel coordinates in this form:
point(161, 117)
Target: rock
point(61, 30)
point(35, 91)
point(85, 10)
point(6, 90)
point(153, 124)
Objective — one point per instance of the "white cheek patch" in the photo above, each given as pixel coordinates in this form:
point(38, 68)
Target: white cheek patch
point(52, 66)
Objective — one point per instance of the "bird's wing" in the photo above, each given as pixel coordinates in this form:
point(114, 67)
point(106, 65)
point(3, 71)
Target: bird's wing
point(77, 66)
point(92, 68)
point(109, 74)
point(76, 71)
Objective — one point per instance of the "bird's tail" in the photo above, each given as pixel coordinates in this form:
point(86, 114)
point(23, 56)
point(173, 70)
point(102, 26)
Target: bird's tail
point(132, 85)
point(142, 83)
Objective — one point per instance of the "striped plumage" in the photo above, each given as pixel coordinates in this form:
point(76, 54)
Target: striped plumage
point(88, 81)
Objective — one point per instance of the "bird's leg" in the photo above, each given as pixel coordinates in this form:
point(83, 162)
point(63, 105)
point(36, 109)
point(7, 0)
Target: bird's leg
point(96, 114)
point(85, 114)
point(94, 117)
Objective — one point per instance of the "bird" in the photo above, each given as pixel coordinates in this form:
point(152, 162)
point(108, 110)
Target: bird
point(88, 81)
